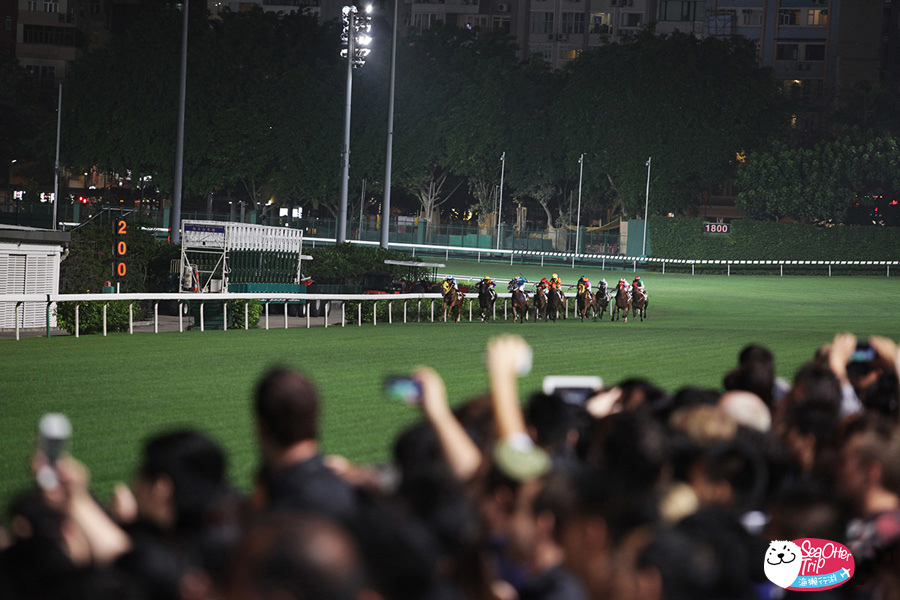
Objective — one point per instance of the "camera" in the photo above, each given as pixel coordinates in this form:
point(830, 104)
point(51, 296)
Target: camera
point(861, 361)
point(403, 389)
point(572, 389)
point(55, 432)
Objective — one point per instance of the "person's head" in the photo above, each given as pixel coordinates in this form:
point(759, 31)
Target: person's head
point(869, 464)
point(707, 555)
point(809, 428)
point(747, 409)
point(295, 557)
point(541, 509)
point(182, 475)
point(806, 509)
point(752, 377)
point(553, 422)
point(729, 476)
point(815, 381)
point(757, 354)
point(286, 406)
point(555, 276)
point(609, 522)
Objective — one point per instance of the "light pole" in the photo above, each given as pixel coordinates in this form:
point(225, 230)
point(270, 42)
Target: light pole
point(56, 167)
point(578, 221)
point(646, 206)
point(386, 209)
point(355, 38)
point(175, 217)
point(500, 209)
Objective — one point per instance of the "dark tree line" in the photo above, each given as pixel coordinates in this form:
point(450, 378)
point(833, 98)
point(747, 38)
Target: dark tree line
point(265, 99)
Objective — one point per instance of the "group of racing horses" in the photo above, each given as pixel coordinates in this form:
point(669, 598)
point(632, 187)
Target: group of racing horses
point(547, 302)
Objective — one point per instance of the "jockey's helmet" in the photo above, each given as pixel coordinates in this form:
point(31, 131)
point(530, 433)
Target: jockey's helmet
point(638, 278)
point(555, 276)
point(603, 281)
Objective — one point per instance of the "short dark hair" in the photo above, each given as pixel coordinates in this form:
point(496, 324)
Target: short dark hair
point(287, 406)
point(197, 467)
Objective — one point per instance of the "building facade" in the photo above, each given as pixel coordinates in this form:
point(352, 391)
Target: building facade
point(825, 48)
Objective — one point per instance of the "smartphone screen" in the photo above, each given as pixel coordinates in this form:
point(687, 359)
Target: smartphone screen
point(403, 389)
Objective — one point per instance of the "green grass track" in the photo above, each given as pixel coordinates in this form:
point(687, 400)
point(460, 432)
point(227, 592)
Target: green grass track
point(120, 389)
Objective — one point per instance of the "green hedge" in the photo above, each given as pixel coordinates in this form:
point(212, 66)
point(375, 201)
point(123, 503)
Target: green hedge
point(90, 316)
point(683, 238)
point(236, 313)
point(347, 264)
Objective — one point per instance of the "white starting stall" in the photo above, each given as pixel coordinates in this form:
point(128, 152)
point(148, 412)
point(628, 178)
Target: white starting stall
point(205, 247)
point(29, 264)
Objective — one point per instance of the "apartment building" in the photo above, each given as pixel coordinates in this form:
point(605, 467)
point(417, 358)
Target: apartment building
point(823, 47)
point(49, 34)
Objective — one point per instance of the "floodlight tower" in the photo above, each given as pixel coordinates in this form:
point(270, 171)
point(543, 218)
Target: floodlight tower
point(355, 41)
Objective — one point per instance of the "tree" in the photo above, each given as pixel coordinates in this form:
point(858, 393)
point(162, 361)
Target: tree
point(258, 85)
point(690, 104)
point(820, 183)
point(27, 116)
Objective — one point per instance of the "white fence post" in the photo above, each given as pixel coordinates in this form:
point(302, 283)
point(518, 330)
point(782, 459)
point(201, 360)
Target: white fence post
point(104, 319)
point(156, 317)
point(77, 306)
point(202, 324)
point(131, 318)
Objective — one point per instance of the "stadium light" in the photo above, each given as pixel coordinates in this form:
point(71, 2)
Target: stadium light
point(354, 39)
point(646, 205)
point(578, 221)
point(500, 209)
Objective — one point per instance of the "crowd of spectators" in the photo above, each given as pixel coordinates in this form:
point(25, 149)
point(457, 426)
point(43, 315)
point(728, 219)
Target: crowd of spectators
point(631, 494)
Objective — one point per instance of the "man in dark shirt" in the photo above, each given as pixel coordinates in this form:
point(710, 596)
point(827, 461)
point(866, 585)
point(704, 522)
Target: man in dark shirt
point(294, 476)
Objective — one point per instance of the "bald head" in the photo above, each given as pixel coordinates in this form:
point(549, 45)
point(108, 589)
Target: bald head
point(747, 409)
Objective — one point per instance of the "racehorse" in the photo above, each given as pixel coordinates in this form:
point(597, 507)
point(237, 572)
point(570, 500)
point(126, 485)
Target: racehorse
point(486, 299)
point(623, 302)
point(453, 299)
point(601, 300)
point(519, 302)
point(540, 303)
point(585, 302)
point(639, 301)
point(554, 301)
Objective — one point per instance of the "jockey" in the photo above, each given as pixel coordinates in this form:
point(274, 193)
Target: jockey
point(555, 282)
point(544, 284)
point(489, 282)
point(452, 281)
point(637, 283)
point(520, 285)
point(586, 283)
point(623, 284)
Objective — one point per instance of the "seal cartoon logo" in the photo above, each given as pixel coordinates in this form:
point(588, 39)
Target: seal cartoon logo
point(783, 561)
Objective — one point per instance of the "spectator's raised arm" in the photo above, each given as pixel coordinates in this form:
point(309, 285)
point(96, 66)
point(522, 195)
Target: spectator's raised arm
point(460, 451)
